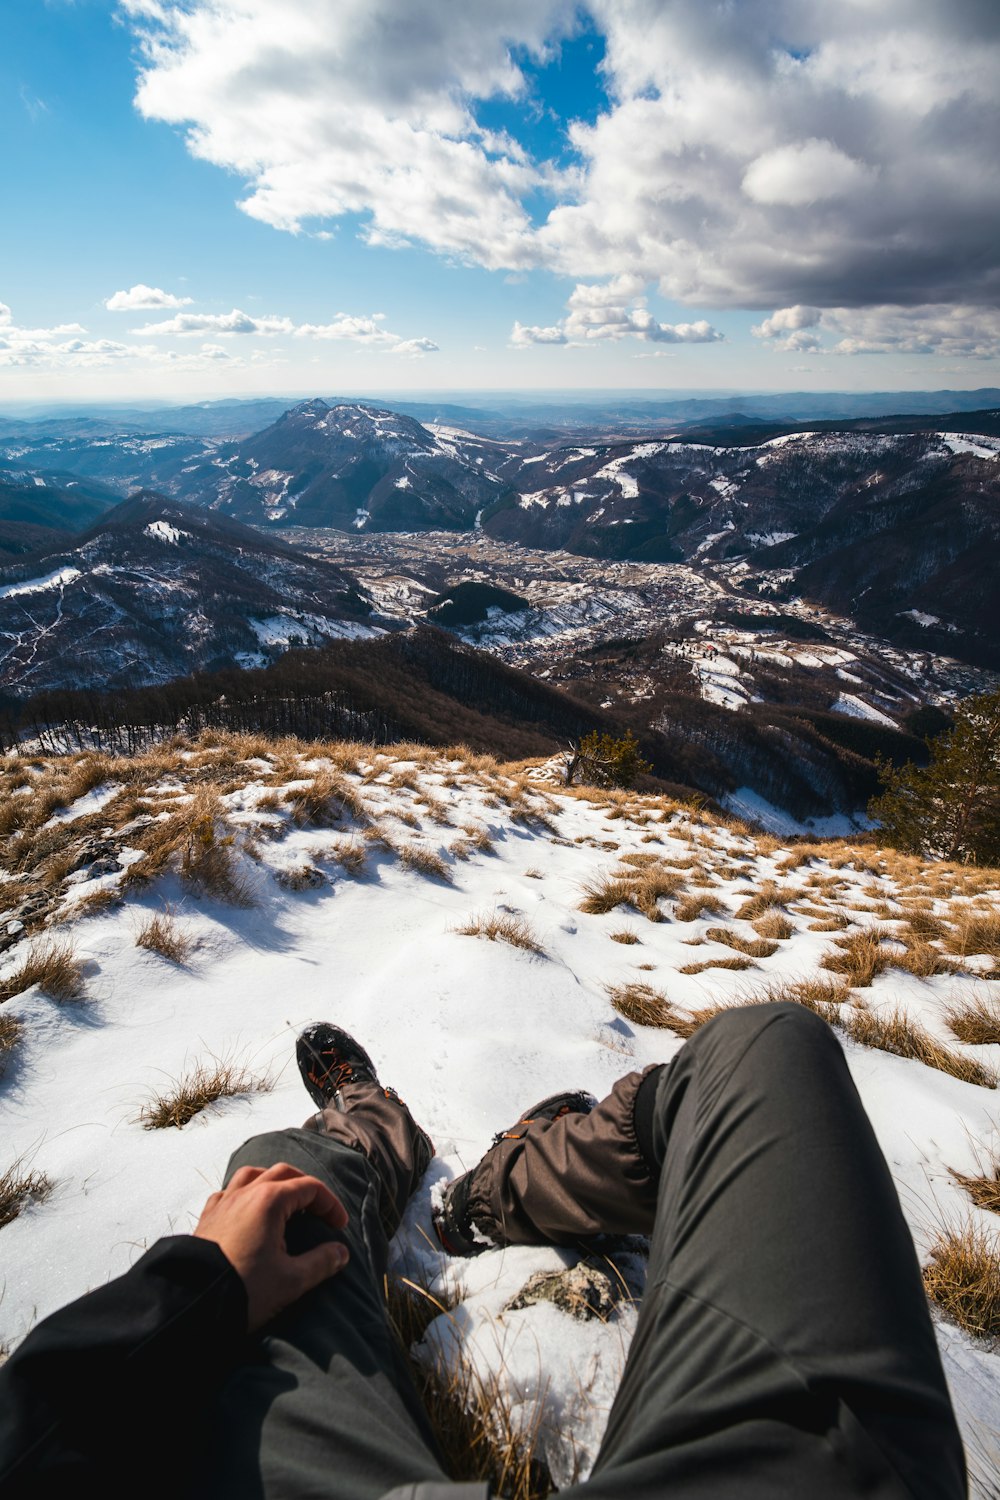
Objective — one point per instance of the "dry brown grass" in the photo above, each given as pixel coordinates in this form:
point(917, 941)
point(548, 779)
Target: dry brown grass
point(51, 965)
point(717, 963)
point(774, 925)
point(860, 956)
point(479, 838)
point(161, 934)
point(534, 874)
point(753, 948)
point(95, 903)
point(605, 895)
point(894, 1032)
point(182, 1099)
point(640, 1003)
point(835, 922)
point(208, 853)
point(924, 960)
point(983, 1188)
point(418, 857)
point(323, 802)
point(11, 1028)
point(963, 1278)
point(769, 895)
point(502, 927)
point(922, 926)
point(974, 932)
point(350, 854)
point(975, 1021)
point(18, 1188)
point(698, 904)
point(823, 997)
point(625, 935)
point(685, 1026)
point(470, 1415)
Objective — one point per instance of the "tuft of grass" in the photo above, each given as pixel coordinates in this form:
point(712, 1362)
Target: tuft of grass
point(624, 935)
point(350, 855)
point(894, 1032)
point(182, 1099)
point(835, 922)
point(534, 874)
point(52, 966)
point(651, 887)
point(640, 1003)
point(752, 947)
point(96, 902)
point(823, 997)
point(418, 857)
point(717, 963)
point(696, 905)
point(975, 932)
point(963, 1278)
point(18, 1188)
point(324, 800)
point(860, 956)
point(975, 1021)
point(502, 927)
point(479, 838)
point(774, 925)
point(984, 1188)
point(769, 895)
point(208, 857)
point(161, 934)
point(11, 1028)
point(604, 895)
point(478, 1435)
point(924, 960)
point(685, 1026)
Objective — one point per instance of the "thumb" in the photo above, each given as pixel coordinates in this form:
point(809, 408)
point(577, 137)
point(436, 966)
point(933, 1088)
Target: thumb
point(314, 1266)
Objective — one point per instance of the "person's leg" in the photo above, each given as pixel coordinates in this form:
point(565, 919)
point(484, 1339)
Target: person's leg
point(784, 1345)
point(323, 1405)
point(559, 1181)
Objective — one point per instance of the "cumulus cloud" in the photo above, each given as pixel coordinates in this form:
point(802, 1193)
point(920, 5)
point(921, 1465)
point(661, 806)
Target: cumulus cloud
point(141, 296)
point(188, 325)
point(770, 154)
point(961, 331)
point(613, 310)
point(367, 331)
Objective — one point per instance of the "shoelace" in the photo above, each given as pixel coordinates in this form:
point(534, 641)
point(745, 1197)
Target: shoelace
point(337, 1074)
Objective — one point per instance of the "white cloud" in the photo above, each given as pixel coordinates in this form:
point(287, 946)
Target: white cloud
point(962, 331)
point(766, 154)
point(804, 172)
point(190, 324)
point(141, 296)
point(346, 326)
point(524, 335)
point(415, 347)
point(613, 310)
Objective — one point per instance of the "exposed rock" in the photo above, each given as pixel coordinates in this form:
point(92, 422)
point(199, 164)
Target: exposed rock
point(584, 1291)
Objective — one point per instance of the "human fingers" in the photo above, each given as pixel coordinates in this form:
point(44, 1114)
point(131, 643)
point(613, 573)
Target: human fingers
point(301, 1193)
point(318, 1264)
point(242, 1177)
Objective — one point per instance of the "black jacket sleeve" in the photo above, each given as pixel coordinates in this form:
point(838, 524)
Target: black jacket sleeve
point(111, 1390)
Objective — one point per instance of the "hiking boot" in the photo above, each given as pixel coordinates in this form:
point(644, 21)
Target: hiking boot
point(329, 1058)
point(453, 1222)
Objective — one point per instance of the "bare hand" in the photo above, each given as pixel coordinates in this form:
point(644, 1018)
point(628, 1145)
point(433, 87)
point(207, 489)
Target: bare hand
point(247, 1221)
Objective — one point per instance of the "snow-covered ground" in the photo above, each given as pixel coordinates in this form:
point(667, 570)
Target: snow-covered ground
point(469, 1031)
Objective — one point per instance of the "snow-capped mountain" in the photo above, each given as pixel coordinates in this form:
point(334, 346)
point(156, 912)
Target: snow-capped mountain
point(351, 466)
point(158, 589)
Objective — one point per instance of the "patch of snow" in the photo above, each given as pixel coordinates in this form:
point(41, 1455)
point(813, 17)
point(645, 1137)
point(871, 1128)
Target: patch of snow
point(401, 484)
point(857, 708)
point(57, 580)
point(980, 446)
point(164, 532)
point(921, 618)
point(748, 804)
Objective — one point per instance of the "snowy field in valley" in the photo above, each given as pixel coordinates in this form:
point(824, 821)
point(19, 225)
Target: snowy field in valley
point(356, 871)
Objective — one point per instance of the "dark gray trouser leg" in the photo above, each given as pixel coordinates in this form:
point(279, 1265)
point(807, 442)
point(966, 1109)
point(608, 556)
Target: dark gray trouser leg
point(324, 1406)
point(783, 1346)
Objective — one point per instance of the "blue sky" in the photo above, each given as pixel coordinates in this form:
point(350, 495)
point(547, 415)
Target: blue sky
point(380, 195)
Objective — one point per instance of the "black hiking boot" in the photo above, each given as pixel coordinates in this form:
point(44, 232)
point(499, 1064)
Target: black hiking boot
point(452, 1220)
point(328, 1058)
